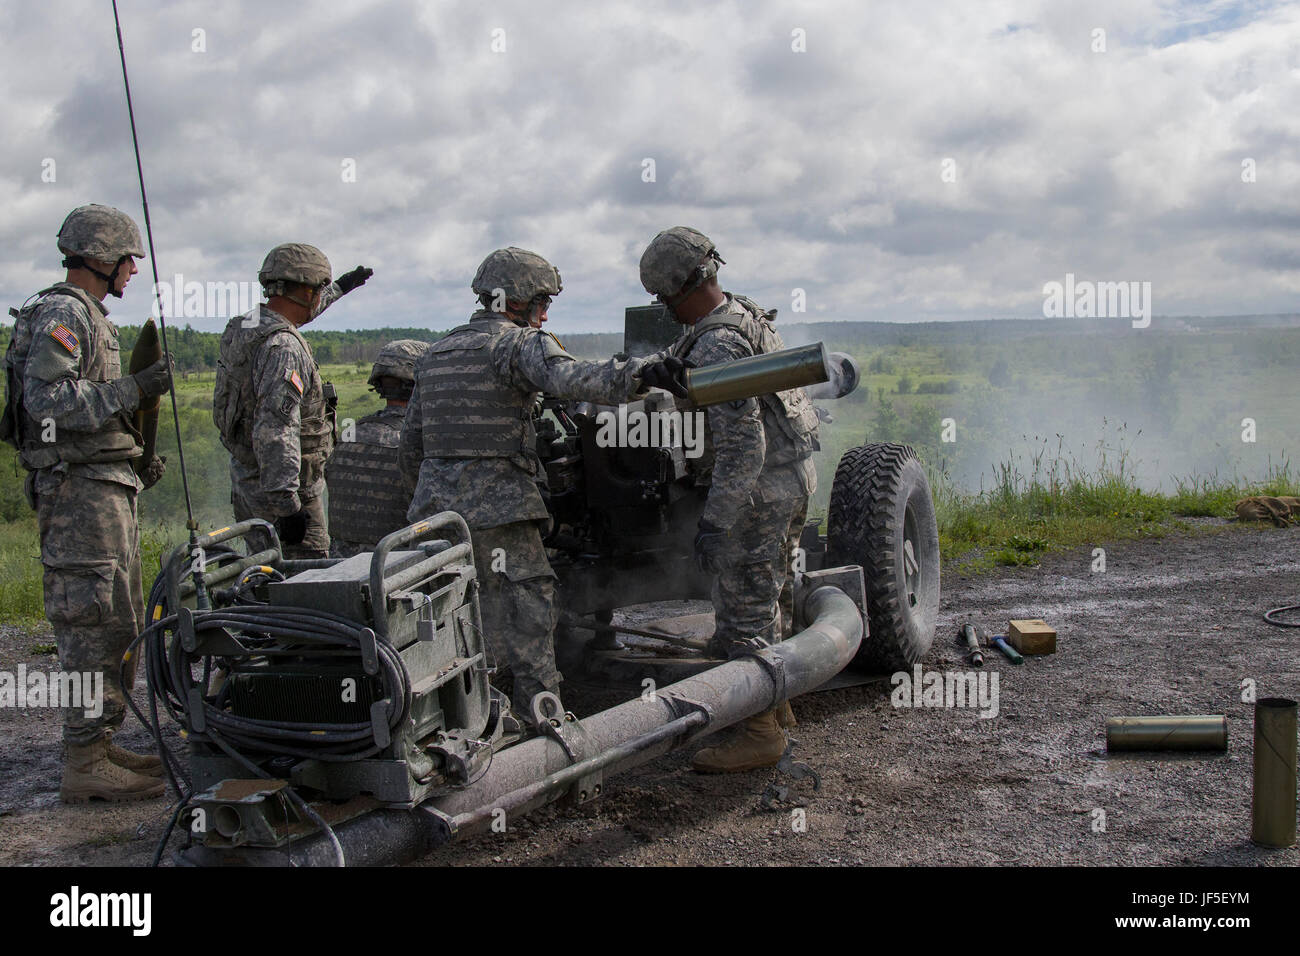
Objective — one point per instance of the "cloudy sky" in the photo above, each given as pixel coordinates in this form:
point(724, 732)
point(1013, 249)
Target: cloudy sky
point(809, 140)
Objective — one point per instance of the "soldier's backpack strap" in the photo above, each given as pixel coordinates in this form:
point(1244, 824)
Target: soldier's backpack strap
point(682, 347)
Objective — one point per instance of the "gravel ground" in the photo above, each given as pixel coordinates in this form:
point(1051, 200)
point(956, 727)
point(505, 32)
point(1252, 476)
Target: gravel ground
point(1172, 626)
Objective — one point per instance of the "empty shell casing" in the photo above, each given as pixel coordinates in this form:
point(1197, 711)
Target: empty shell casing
point(1189, 732)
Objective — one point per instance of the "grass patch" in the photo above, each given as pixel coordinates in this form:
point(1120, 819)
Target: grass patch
point(1049, 502)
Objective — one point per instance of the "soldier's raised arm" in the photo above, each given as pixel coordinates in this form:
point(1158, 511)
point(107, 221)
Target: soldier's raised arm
point(538, 361)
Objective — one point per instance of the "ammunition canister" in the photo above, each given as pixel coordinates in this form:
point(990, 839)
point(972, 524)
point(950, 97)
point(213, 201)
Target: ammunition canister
point(757, 375)
point(1273, 807)
point(1190, 732)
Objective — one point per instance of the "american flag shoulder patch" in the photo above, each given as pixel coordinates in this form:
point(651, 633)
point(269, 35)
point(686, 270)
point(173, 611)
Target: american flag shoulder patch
point(65, 337)
point(295, 380)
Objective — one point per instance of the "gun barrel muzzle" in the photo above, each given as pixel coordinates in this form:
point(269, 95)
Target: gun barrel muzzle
point(757, 375)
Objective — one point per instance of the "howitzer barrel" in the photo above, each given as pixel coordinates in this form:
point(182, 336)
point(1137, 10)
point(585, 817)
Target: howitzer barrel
point(758, 375)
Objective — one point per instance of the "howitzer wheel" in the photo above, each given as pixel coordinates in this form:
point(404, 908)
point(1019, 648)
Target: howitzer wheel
point(882, 517)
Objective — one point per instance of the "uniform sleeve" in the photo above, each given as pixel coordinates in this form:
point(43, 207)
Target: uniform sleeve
point(411, 449)
point(53, 387)
point(279, 380)
point(538, 363)
point(738, 439)
point(329, 295)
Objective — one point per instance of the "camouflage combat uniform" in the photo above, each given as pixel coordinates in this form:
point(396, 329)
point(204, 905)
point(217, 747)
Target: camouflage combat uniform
point(469, 446)
point(367, 499)
point(758, 466)
point(84, 490)
point(270, 406)
point(367, 496)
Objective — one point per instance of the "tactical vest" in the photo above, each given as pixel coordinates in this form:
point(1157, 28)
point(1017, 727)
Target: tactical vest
point(466, 410)
point(116, 439)
point(366, 499)
point(791, 410)
point(234, 401)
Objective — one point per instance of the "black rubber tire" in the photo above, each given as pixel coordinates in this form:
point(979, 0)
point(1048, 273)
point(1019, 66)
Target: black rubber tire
point(881, 504)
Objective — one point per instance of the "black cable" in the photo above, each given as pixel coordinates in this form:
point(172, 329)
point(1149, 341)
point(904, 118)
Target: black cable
point(1269, 617)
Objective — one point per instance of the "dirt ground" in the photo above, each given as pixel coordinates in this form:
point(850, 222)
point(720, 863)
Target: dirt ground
point(1171, 627)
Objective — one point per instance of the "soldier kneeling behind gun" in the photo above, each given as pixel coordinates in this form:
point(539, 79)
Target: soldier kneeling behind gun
point(366, 498)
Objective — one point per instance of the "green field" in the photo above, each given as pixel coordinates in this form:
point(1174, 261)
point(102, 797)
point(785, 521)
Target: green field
point(1065, 434)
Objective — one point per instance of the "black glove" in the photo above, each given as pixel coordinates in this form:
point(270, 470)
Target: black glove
point(669, 373)
point(292, 528)
point(154, 471)
point(709, 542)
point(154, 380)
point(350, 280)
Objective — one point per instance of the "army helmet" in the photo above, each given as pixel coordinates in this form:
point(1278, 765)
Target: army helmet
point(295, 262)
point(519, 274)
point(397, 360)
point(100, 232)
point(677, 261)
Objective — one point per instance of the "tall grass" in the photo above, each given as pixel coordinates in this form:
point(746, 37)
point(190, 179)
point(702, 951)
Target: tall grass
point(1048, 499)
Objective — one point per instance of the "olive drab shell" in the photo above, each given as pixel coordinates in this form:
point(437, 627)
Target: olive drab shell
point(366, 501)
point(100, 232)
point(521, 275)
point(466, 410)
point(101, 362)
point(295, 262)
point(790, 410)
point(233, 395)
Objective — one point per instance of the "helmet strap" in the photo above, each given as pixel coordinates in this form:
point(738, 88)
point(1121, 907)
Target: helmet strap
point(79, 262)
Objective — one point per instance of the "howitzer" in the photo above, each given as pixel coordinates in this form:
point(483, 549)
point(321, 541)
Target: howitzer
point(357, 722)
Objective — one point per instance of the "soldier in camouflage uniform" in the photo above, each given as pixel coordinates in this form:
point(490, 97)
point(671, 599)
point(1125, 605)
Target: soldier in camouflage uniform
point(71, 416)
point(275, 415)
point(469, 445)
point(366, 500)
point(758, 468)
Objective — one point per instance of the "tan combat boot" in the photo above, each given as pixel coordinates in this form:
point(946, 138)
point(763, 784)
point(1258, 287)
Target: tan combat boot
point(146, 764)
point(89, 773)
point(785, 716)
point(758, 743)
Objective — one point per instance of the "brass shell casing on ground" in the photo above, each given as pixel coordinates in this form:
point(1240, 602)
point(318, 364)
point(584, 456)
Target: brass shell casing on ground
point(1273, 800)
point(757, 375)
point(1188, 732)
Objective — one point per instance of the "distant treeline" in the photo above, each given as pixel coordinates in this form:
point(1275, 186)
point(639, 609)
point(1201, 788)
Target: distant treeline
point(196, 351)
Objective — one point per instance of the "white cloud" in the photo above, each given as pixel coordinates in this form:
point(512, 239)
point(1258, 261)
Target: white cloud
point(818, 170)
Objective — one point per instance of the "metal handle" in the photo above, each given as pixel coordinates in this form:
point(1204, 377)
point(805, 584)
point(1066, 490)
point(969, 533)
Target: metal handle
point(184, 586)
point(419, 531)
